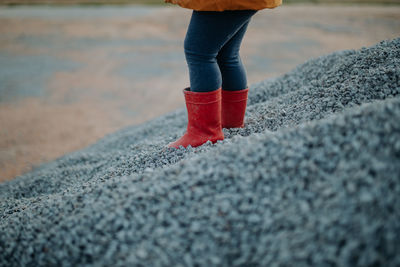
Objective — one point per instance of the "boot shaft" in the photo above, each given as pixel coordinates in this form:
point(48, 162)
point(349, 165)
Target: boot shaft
point(204, 109)
point(233, 108)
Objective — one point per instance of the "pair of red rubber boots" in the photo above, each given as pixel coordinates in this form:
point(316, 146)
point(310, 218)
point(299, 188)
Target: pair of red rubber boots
point(209, 112)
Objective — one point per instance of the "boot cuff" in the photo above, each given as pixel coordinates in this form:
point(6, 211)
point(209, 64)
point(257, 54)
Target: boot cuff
point(202, 97)
point(234, 96)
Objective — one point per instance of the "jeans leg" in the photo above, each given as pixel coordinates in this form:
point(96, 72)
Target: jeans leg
point(207, 34)
point(230, 64)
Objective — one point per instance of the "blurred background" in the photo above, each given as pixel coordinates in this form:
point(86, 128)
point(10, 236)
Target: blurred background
point(74, 71)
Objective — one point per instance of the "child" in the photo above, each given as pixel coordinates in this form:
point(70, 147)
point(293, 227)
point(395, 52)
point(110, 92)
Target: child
point(217, 96)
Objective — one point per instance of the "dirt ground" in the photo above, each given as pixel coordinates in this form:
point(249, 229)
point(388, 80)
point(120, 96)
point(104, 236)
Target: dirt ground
point(71, 75)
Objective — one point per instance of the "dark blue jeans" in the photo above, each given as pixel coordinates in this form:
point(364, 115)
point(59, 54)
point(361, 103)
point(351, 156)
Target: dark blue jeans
point(212, 47)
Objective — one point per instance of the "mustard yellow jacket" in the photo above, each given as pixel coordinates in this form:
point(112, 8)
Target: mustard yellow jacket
point(221, 5)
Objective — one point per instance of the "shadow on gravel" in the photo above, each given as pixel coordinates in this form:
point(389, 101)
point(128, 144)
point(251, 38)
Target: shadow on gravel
point(312, 180)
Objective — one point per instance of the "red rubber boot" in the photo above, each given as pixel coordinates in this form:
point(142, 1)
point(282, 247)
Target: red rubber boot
point(204, 119)
point(233, 108)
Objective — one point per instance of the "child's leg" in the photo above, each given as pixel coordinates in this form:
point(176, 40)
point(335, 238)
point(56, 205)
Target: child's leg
point(207, 34)
point(232, 70)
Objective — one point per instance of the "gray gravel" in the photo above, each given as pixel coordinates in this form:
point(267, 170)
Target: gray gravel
point(312, 180)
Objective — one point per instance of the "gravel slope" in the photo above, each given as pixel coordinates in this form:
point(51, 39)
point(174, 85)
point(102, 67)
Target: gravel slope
point(312, 180)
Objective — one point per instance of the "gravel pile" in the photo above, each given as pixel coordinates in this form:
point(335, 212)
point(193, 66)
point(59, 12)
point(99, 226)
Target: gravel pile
point(312, 180)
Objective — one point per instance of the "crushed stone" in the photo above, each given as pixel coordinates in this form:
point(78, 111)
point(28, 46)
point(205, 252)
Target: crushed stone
point(312, 180)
